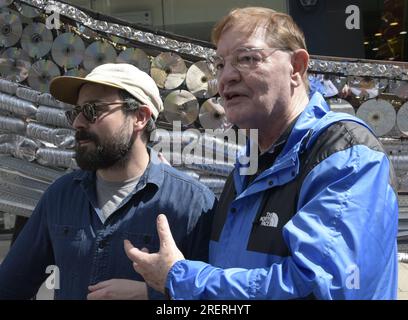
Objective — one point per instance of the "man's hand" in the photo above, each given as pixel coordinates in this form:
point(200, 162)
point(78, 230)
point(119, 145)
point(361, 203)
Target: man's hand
point(118, 289)
point(154, 267)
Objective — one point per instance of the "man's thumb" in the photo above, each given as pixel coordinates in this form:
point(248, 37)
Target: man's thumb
point(163, 229)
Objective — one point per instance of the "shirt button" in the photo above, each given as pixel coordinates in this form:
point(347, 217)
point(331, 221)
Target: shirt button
point(233, 210)
point(102, 244)
point(270, 182)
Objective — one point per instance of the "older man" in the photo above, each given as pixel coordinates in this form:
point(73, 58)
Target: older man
point(81, 221)
point(319, 218)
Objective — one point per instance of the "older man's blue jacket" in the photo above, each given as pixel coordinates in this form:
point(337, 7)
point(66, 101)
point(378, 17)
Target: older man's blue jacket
point(320, 222)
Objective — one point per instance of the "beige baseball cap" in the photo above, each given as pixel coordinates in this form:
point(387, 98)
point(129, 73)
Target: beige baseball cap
point(118, 75)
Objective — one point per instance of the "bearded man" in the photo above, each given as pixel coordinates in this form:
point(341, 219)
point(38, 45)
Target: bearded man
point(82, 219)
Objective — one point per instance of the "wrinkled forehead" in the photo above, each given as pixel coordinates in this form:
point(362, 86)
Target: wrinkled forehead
point(247, 28)
point(232, 38)
point(240, 36)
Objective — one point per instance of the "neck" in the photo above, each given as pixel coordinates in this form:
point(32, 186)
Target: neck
point(268, 135)
point(134, 167)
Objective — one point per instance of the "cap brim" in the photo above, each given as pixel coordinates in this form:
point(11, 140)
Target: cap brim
point(66, 89)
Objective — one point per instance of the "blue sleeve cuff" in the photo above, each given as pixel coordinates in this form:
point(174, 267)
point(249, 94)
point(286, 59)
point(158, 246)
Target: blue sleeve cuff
point(181, 280)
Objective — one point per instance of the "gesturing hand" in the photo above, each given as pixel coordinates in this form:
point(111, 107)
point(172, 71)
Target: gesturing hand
point(154, 267)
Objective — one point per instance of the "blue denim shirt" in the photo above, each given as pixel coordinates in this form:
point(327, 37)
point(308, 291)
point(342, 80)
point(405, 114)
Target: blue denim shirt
point(64, 230)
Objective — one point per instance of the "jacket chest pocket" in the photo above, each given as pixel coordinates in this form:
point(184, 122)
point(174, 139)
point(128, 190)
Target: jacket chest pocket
point(266, 236)
point(276, 209)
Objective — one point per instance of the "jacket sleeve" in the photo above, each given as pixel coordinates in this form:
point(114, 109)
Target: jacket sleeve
point(24, 268)
point(342, 241)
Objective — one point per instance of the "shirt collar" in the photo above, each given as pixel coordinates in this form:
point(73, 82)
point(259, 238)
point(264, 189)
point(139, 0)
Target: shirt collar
point(278, 145)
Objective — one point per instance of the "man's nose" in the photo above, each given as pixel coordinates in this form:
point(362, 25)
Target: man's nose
point(80, 121)
point(228, 73)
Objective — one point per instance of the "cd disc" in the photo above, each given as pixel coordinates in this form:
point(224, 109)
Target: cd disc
point(5, 3)
point(16, 54)
point(168, 70)
point(98, 53)
point(28, 11)
point(366, 87)
point(36, 40)
point(201, 81)
point(10, 11)
point(68, 50)
point(137, 57)
point(14, 70)
point(24, 20)
point(75, 72)
point(379, 114)
point(181, 105)
point(399, 88)
point(41, 74)
point(402, 119)
point(10, 29)
point(212, 115)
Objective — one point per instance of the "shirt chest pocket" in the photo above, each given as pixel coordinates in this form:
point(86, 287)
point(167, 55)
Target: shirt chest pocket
point(143, 240)
point(140, 241)
point(67, 232)
point(66, 240)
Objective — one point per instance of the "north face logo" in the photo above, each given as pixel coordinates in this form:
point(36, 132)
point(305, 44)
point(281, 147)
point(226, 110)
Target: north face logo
point(270, 220)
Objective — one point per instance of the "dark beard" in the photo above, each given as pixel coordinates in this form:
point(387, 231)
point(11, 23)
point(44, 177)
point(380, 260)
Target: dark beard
point(112, 152)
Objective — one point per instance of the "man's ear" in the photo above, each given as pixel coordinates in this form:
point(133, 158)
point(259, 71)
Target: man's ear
point(142, 115)
point(300, 62)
